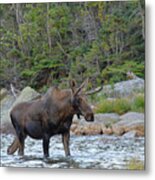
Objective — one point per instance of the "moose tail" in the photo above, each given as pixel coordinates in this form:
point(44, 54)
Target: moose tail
point(13, 147)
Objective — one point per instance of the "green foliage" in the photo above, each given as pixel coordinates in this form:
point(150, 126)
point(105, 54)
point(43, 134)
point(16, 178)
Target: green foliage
point(45, 43)
point(4, 64)
point(138, 103)
point(116, 73)
point(121, 105)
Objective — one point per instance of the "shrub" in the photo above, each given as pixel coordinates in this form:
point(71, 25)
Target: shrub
point(138, 103)
point(121, 105)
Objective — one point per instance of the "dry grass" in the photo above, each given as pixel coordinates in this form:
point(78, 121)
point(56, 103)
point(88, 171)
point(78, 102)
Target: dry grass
point(135, 164)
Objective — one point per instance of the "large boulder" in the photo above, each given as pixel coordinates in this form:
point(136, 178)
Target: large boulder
point(132, 116)
point(107, 118)
point(27, 94)
point(123, 88)
point(3, 93)
point(8, 102)
point(131, 121)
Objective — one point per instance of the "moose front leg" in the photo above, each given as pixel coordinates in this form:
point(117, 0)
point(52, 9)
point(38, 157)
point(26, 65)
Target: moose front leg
point(21, 145)
point(46, 140)
point(65, 140)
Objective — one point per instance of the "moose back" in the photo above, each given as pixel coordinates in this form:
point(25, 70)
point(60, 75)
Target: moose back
point(51, 114)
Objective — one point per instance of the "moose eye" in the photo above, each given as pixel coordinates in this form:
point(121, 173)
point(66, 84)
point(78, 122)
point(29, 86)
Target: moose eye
point(79, 100)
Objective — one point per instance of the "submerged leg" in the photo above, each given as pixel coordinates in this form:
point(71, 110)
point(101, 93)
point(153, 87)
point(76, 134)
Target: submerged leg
point(21, 145)
point(46, 140)
point(20, 136)
point(13, 147)
point(65, 140)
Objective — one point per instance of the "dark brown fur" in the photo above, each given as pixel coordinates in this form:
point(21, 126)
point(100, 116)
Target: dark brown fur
point(52, 114)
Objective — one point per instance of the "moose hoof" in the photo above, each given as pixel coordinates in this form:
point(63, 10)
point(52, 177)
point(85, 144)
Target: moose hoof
point(46, 156)
point(68, 155)
point(45, 159)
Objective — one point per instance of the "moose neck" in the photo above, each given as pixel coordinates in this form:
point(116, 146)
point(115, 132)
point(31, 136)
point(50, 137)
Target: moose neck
point(59, 102)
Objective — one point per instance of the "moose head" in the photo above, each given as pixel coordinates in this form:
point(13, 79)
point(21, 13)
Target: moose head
point(79, 101)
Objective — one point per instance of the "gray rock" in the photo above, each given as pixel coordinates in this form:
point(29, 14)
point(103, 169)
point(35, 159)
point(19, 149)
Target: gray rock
point(9, 102)
point(132, 116)
point(130, 122)
point(6, 104)
point(123, 88)
point(27, 94)
point(107, 118)
point(130, 134)
point(3, 93)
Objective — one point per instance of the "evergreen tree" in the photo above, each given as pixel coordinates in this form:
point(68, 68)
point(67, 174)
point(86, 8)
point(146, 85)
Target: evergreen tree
point(48, 43)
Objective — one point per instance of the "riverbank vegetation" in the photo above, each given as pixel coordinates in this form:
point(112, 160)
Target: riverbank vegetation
point(135, 103)
point(135, 164)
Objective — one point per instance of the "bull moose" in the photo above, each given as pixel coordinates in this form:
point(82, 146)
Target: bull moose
point(50, 115)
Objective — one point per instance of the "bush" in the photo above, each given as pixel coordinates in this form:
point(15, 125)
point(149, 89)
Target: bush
point(121, 106)
point(138, 103)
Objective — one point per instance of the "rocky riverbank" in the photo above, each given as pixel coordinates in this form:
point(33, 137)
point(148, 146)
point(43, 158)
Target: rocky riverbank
point(130, 124)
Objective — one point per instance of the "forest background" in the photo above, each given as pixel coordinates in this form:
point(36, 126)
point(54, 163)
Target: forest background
point(44, 44)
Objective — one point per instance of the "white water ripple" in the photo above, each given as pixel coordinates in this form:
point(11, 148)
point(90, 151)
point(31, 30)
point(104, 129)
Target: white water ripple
point(97, 152)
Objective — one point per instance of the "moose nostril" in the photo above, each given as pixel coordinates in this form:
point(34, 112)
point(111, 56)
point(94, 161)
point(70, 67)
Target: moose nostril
point(90, 117)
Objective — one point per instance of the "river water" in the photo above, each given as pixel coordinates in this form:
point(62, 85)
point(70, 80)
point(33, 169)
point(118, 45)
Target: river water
point(97, 152)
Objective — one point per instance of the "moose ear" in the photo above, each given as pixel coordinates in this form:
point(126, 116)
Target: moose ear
point(83, 85)
point(72, 84)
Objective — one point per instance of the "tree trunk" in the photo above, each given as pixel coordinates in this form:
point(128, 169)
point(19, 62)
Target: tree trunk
point(143, 19)
point(19, 20)
point(48, 27)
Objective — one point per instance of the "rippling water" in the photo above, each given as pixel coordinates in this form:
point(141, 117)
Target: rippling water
point(97, 152)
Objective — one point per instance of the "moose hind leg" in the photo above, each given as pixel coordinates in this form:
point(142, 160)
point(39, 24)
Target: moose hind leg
point(13, 147)
point(21, 139)
point(65, 140)
point(20, 135)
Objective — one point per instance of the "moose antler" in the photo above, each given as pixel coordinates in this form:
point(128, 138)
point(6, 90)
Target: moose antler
point(96, 90)
point(81, 87)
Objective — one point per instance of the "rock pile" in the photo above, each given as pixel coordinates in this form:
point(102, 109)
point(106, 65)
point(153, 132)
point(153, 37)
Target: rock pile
point(111, 123)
